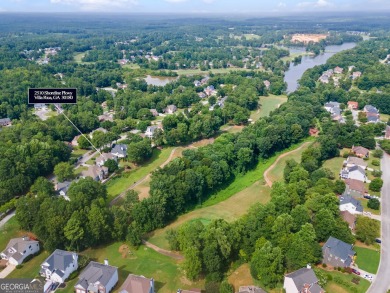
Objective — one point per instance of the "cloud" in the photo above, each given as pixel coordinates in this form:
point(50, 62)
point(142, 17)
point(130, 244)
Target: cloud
point(315, 4)
point(175, 1)
point(282, 5)
point(97, 5)
point(208, 1)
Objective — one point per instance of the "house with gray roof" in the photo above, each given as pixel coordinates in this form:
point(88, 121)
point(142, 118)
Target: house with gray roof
point(104, 157)
point(354, 172)
point(302, 280)
point(337, 253)
point(119, 151)
point(150, 130)
point(62, 187)
point(370, 109)
point(59, 265)
point(349, 204)
point(97, 173)
point(250, 289)
point(18, 249)
point(5, 122)
point(355, 161)
point(97, 278)
point(137, 284)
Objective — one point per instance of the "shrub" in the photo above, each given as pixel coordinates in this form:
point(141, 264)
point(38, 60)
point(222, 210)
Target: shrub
point(73, 275)
point(376, 162)
point(355, 280)
point(373, 203)
point(377, 153)
point(376, 173)
point(324, 265)
point(376, 184)
point(345, 155)
point(19, 266)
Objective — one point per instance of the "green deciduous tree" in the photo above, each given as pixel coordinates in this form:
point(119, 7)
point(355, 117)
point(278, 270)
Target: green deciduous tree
point(63, 171)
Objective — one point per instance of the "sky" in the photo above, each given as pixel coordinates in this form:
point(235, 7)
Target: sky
point(194, 6)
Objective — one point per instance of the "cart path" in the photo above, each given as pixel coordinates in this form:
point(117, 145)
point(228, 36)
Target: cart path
point(266, 178)
point(174, 255)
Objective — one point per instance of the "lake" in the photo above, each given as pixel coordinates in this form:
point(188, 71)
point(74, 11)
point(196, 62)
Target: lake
point(159, 80)
point(295, 72)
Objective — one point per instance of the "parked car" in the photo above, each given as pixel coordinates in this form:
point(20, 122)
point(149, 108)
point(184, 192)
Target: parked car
point(368, 277)
point(356, 272)
point(378, 240)
point(367, 196)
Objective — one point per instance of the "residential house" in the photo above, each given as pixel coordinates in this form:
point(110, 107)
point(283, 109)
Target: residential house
point(356, 74)
point(62, 188)
point(355, 161)
point(75, 140)
point(370, 109)
point(170, 109)
point(154, 112)
point(313, 131)
point(372, 117)
point(202, 95)
point(334, 109)
point(250, 289)
point(150, 130)
point(324, 79)
point(197, 83)
point(5, 122)
point(119, 150)
point(204, 80)
point(106, 117)
point(18, 249)
point(349, 218)
point(354, 172)
point(267, 84)
point(302, 281)
point(97, 277)
point(337, 253)
point(387, 132)
point(349, 204)
point(221, 102)
point(355, 188)
point(103, 158)
point(96, 172)
point(59, 265)
point(40, 107)
point(137, 284)
point(360, 151)
point(210, 90)
point(338, 70)
point(353, 105)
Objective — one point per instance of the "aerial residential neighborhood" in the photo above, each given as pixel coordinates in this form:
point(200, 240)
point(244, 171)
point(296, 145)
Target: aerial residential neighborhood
point(195, 146)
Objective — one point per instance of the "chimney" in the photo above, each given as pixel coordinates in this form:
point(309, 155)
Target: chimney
point(106, 262)
point(25, 238)
point(308, 266)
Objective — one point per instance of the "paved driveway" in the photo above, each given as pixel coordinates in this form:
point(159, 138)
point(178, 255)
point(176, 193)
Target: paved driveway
point(382, 282)
point(4, 273)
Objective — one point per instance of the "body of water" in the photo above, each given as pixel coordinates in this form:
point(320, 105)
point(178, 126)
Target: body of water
point(295, 72)
point(159, 80)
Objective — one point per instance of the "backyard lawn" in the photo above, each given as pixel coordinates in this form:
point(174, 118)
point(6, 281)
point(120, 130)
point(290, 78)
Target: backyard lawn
point(335, 164)
point(31, 268)
point(8, 231)
point(143, 261)
point(334, 286)
point(367, 259)
point(120, 183)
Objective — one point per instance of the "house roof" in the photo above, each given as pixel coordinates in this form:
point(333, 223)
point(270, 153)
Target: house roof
point(5, 120)
point(357, 161)
point(58, 261)
point(356, 185)
point(17, 246)
point(63, 186)
point(136, 284)
point(94, 171)
point(250, 289)
point(356, 168)
point(151, 129)
point(304, 277)
point(353, 104)
point(119, 149)
point(371, 109)
point(339, 248)
point(348, 217)
point(191, 291)
point(104, 157)
point(332, 105)
point(360, 150)
point(345, 199)
point(95, 273)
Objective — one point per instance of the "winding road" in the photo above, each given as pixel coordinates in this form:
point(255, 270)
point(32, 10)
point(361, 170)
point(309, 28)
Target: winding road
point(382, 281)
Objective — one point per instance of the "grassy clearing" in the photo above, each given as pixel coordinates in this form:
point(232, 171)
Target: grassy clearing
point(384, 117)
point(335, 165)
point(215, 71)
point(8, 231)
point(267, 105)
point(367, 259)
point(231, 129)
point(120, 183)
point(334, 287)
point(78, 152)
point(31, 268)
point(80, 169)
point(131, 66)
point(143, 261)
point(246, 190)
point(364, 203)
point(79, 56)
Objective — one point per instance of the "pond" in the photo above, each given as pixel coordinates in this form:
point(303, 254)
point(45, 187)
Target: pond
point(159, 80)
point(295, 72)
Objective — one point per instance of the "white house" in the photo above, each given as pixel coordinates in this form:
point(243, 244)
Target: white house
point(18, 249)
point(351, 205)
point(354, 172)
point(103, 158)
point(150, 131)
point(355, 161)
point(97, 277)
point(302, 280)
point(59, 265)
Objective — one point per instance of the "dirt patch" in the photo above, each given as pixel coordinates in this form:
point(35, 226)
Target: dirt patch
point(124, 250)
point(241, 277)
point(185, 281)
point(306, 38)
point(333, 287)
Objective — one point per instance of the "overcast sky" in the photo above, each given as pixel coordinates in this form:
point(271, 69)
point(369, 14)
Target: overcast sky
point(193, 6)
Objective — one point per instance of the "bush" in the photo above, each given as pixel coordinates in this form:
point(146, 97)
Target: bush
point(355, 280)
point(19, 267)
point(73, 275)
point(376, 173)
point(377, 153)
point(373, 203)
point(376, 162)
point(376, 184)
point(345, 155)
point(324, 265)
